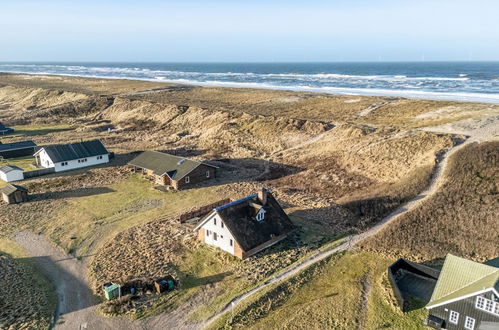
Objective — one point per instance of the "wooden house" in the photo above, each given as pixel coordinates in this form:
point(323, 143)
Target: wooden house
point(17, 149)
point(465, 296)
point(246, 226)
point(5, 130)
point(13, 194)
point(65, 157)
point(11, 173)
point(169, 170)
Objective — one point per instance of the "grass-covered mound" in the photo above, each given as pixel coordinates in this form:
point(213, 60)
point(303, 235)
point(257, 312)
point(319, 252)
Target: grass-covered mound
point(461, 218)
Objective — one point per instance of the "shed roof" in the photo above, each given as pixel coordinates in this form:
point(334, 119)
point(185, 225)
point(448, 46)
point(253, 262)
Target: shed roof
point(12, 188)
point(165, 164)
point(64, 152)
point(461, 277)
point(10, 168)
point(17, 145)
point(240, 218)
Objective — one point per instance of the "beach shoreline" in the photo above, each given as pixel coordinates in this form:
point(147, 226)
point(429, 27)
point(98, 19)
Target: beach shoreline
point(459, 84)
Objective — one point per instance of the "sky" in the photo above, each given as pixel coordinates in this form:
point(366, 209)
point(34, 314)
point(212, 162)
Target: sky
point(249, 31)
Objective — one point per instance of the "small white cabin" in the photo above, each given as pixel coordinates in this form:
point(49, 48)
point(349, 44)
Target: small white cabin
point(11, 173)
point(67, 157)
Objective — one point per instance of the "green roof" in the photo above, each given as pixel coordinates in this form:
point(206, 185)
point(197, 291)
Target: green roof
point(460, 277)
point(165, 164)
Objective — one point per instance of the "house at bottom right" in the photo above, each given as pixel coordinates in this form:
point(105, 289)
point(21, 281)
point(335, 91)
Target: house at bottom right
point(465, 296)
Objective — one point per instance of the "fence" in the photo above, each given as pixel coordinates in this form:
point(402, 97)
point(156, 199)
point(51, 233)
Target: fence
point(203, 210)
point(39, 172)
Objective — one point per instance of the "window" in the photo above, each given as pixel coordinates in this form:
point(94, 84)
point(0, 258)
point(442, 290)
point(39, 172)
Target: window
point(207, 174)
point(230, 242)
point(64, 163)
point(222, 224)
point(469, 323)
point(487, 305)
point(214, 236)
point(453, 317)
point(260, 215)
point(480, 302)
point(187, 179)
point(215, 221)
point(99, 157)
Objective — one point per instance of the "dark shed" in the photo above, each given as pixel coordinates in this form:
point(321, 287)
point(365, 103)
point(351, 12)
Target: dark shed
point(17, 149)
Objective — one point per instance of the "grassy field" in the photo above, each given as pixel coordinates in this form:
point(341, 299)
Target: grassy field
point(458, 219)
point(27, 298)
point(347, 291)
point(37, 130)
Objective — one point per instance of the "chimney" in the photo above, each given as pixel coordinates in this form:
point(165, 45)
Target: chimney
point(262, 196)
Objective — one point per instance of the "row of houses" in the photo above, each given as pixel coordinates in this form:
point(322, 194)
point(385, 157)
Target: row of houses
point(241, 227)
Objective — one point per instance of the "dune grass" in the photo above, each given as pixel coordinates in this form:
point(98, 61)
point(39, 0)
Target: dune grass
point(28, 296)
point(347, 291)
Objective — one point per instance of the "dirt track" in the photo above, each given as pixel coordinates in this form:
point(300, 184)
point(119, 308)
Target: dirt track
point(77, 305)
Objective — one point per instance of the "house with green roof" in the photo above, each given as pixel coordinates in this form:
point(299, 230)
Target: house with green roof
point(170, 170)
point(465, 296)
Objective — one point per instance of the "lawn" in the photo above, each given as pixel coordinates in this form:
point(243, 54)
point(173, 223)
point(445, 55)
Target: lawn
point(347, 291)
point(32, 130)
point(86, 220)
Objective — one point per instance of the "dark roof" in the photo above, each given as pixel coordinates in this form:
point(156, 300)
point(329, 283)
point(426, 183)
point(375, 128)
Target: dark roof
point(162, 163)
point(63, 152)
point(11, 188)
point(9, 168)
point(415, 268)
point(17, 145)
point(2, 126)
point(239, 217)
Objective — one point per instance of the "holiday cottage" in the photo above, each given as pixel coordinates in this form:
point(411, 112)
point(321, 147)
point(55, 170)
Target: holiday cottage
point(65, 157)
point(246, 226)
point(465, 296)
point(169, 170)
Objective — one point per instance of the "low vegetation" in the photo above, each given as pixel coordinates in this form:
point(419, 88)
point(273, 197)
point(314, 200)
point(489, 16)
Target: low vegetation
point(460, 218)
point(27, 300)
point(347, 291)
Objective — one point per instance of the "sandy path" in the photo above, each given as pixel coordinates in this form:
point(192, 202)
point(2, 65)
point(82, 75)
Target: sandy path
point(349, 243)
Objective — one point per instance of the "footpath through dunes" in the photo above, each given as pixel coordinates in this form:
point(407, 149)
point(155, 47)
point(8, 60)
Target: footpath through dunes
point(351, 241)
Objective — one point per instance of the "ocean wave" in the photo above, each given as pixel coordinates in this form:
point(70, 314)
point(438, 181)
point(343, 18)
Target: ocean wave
point(400, 85)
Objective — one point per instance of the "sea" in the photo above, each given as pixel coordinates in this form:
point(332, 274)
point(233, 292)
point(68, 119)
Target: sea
point(460, 81)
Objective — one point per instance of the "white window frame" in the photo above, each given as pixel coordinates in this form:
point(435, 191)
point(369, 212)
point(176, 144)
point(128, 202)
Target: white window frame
point(487, 305)
point(472, 323)
point(451, 317)
point(187, 179)
point(231, 242)
point(260, 216)
point(207, 174)
point(480, 302)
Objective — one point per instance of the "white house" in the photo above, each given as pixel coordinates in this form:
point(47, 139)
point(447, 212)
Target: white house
point(246, 226)
point(11, 173)
point(65, 157)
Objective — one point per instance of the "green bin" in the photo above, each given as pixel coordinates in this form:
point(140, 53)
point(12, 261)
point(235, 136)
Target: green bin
point(111, 291)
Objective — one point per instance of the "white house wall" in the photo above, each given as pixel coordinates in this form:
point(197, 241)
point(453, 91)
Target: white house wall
point(12, 176)
point(73, 164)
point(45, 160)
point(223, 234)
